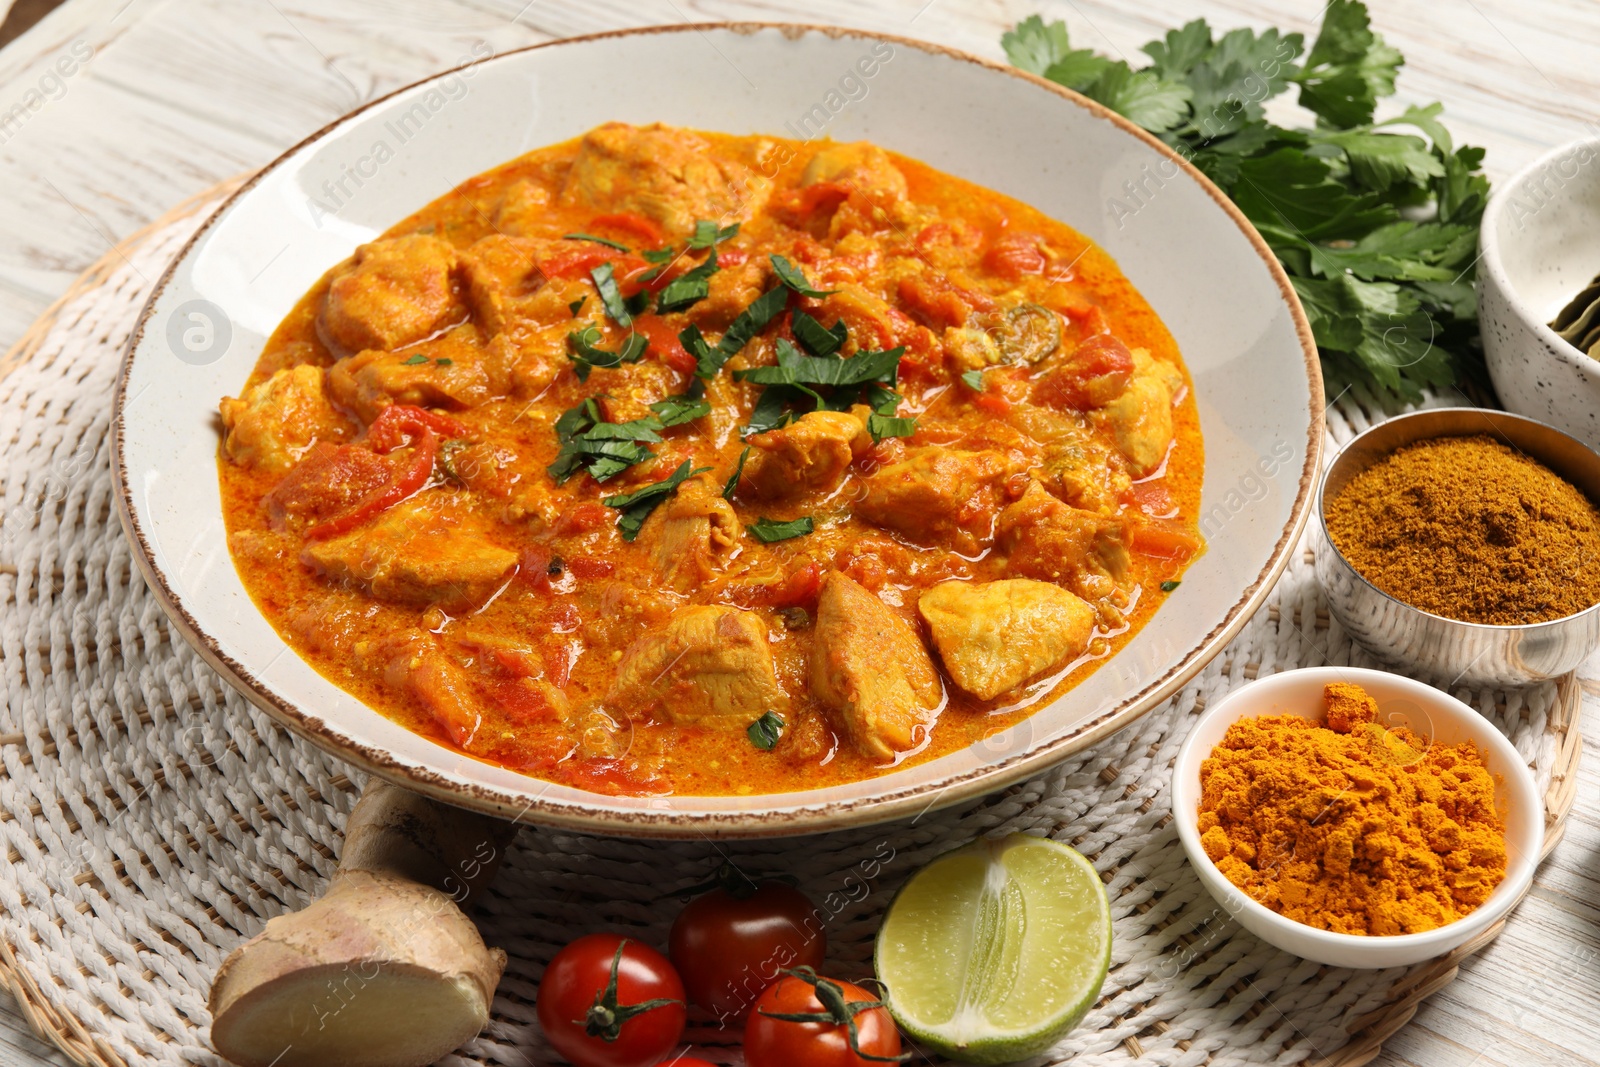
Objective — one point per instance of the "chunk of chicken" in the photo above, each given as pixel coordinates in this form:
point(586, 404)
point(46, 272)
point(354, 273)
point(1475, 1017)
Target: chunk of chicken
point(392, 293)
point(672, 176)
point(936, 495)
point(524, 210)
point(859, 166)
point(1086, 474)
point(449, 373)
point(1043, 538)
point(694, 532)
point(869, 668)
point(278, 420)
point(417, 554)
point(709, 664)
point(994, 636)
point(1141, 418)
point(501, 273)
point(809, 455)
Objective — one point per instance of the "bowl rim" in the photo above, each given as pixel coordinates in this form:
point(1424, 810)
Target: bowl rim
point(788, 813)
point(1519, 869)
point(1322, 517)
point(1489, 252)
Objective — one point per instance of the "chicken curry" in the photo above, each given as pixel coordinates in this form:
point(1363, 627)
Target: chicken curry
point(663, 461)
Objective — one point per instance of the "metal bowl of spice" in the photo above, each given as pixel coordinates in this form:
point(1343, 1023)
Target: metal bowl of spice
point(1355, 817)
point(1464, 544)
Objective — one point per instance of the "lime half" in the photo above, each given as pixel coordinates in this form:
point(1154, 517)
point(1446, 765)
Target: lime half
point(992, 952)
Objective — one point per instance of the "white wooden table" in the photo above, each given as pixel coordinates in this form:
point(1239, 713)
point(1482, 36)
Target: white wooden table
point(167, 97)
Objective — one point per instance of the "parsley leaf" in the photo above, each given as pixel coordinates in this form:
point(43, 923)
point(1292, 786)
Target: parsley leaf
point(1349, 67)
point(791, 275)
point(690, 405)
point(770, 411)
point(415, 360)
point(1388, 290)
point(1143, 96)
point(765, 731)
point(751, 321)
point(1169, 585)
point(605, 282)
point(793, 368)
point(597, 240)
point(637, 505)
point(1033, 45)
point(707, 235)
point(689, 287)
point(768, 530)
point(973, 379)
point(577, 305)
point(603, 449)
point(881, 426)
point(733, 479)
point(585, 356)
point(815, 338)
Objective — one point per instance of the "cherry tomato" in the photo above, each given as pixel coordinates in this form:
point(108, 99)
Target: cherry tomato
point(608, 1001)
point(731, 943)
point(823, 1039)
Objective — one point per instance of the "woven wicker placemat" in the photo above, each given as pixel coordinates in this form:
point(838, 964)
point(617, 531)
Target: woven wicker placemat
point(153, 819)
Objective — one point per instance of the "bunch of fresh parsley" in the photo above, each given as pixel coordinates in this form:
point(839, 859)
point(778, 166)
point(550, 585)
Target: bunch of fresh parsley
point(1376, 226)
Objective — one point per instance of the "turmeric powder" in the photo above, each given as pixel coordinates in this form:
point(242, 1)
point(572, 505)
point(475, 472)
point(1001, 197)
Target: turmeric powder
point(1348, 826)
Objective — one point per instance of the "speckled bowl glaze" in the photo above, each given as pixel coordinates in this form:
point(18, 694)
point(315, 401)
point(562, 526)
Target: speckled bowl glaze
point(1540, 244)
point(1204, 269)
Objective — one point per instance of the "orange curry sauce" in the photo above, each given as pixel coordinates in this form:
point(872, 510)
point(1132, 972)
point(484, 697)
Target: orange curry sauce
point(390, 506)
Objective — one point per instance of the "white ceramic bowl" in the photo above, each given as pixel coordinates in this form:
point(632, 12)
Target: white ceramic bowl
point(1540, 245)
point(1401, 702)
point(1189, 251)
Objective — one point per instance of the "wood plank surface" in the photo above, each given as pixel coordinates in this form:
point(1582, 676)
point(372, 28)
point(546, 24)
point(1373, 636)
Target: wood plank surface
point(173, 96)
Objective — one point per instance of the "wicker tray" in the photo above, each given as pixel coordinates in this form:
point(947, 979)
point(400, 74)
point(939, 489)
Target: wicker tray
point(152, 818)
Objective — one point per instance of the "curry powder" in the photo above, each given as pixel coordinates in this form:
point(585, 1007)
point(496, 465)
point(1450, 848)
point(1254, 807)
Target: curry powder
point(1467, 528)
point(1349, 826)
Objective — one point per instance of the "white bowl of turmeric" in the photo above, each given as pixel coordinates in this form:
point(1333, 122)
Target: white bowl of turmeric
point(1356, 818)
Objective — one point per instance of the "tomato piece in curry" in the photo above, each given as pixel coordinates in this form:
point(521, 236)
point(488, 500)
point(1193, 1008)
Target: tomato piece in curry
point(662, 461)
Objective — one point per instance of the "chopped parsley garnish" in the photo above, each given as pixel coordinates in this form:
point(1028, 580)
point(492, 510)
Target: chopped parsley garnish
point(973, 379)
point(577, 305)
point(605, 283)
point(585, 356)
point(415, 360)
point(445, 361)
point(689, 287)
point(768, 530)
point(751, 321)
point(603, 449)
point(765, 731)
point(706, 234)
point(815, 338)
point(790, 275)
point(733, 479)
point(637, 505)
point(769, 413)
point(597, 240)
point(1375, 222)
point(881, 426)
point(691, 404)
point(1169, 585)
point(793, 368)
point(659, 255)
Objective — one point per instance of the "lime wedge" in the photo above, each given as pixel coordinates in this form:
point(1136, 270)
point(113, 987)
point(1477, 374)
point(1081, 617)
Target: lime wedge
point(992, 952)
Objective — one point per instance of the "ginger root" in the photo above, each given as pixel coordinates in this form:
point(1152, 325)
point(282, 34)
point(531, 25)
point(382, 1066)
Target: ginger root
point(384, 970)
